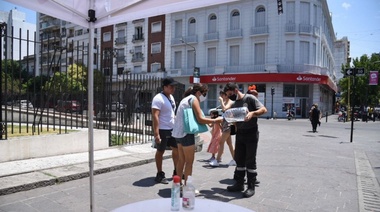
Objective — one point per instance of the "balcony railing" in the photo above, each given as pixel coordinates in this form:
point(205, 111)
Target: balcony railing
point(305, 28)
point(120, 59)
point(214, 36)
point(235, 33)
point(290, 27)
point(138, 57)
point(177, 41)
point(137, 38)
point(120, 40)
point(300, 69)
point(261, 30)
point(190, 39)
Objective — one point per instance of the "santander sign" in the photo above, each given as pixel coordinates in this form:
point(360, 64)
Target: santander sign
point(308, 78)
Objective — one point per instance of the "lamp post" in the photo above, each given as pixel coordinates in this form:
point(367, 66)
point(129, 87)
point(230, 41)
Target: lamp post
point(196, 70)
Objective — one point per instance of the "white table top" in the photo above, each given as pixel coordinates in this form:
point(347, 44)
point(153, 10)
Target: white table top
point(163, 204)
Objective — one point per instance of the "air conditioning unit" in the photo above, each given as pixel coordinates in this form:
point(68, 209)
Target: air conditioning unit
point(132, 51)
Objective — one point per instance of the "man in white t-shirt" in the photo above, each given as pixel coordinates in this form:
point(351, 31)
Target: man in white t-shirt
point(163, 113)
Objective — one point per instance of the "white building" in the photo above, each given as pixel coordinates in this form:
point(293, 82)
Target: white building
point(248, 42)
point(17, 28)
point(341, 55)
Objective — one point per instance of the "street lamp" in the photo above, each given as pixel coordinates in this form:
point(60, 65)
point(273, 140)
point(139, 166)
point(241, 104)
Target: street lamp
point(196, 71)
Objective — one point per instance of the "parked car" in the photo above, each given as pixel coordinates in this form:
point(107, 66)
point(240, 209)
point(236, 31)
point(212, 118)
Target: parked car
point(24, 104)
point(219, 109)
point(69, 106)
point(116, 106)
point(144, 108)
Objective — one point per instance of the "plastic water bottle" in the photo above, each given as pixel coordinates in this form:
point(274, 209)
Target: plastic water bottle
point(175, 194)
point(235, 114)
point(188, 197)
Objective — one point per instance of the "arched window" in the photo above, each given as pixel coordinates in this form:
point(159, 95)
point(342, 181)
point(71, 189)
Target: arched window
point(235, 20)
point(212, 23)
point(192, 26)
point(260, 17)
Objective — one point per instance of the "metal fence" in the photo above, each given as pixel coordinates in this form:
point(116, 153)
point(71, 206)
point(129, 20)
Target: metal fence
point(46, 90)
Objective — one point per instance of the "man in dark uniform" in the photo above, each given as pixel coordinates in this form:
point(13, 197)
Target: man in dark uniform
point(247, 137)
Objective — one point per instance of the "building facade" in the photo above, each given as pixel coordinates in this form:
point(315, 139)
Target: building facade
point(248, 42)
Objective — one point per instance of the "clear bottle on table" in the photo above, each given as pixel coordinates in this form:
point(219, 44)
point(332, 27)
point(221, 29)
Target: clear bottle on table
point(175, 193)
point(188, 196)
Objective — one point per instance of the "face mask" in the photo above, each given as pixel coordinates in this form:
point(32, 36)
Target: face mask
point(202, 98)
point(233, 97)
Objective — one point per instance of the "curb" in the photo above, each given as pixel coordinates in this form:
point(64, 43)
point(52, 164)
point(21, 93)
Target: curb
point(77, 176)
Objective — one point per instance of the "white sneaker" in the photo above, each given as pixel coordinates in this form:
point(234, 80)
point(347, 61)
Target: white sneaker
point(214, 163)
point(232, 163)
point(197, 192)
point(211, 159)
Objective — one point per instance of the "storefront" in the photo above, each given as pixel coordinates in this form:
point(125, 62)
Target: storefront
point(291, 91)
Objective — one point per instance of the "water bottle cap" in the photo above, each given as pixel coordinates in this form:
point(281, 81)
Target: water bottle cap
point(176, 179)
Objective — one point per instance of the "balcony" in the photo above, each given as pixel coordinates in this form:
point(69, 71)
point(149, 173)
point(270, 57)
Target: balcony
point(138, 57)
point(214, 36)
point(305, 28)
point(261, 30)
point(190, 39)
point(290, 28)
point(138, 38)
point(120, 59)
point(300, 69)
point(316, 31)
point(177, 41)
point(120, 40)
point(235, 33)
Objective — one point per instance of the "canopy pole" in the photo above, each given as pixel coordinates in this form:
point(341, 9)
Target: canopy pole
point(90, 106)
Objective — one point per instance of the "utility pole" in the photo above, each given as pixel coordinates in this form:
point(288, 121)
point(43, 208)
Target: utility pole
point(196, 70)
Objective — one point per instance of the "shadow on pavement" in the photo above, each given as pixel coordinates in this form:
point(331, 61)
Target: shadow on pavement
point(165, 193)
point(220, 194)
point(145, 182)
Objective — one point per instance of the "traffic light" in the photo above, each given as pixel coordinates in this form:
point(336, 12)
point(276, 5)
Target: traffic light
point(279, 7)
point(272, 91)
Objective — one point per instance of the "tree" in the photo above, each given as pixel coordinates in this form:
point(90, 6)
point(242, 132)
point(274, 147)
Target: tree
point(365, 95)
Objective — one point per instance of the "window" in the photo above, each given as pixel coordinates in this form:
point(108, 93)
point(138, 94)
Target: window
point(305, 13)
point(211, 57)
point(259, 53)
point(290, 12)
point(79, 32)
point(302, 90)
point(235, 20)
point(106, 36)
point(156, 27)
point(192, 26)
point(289, 58)
point(212, 23)
point(304, 52)
point(289, 90)
point(178, 29)
point(178, 60)
point(138, 33)
point(137, 69)
point(154, 67)
point(260, 17)
point(156, 48)
point(190, 58)
point(234, 55)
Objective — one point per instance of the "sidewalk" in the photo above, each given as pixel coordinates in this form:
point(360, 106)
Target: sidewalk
point(28, 174)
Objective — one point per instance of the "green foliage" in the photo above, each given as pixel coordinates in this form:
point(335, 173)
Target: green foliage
point(364, 94)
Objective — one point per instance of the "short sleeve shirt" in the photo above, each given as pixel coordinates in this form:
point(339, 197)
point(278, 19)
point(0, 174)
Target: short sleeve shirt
point(165, 105)
point(253, 104)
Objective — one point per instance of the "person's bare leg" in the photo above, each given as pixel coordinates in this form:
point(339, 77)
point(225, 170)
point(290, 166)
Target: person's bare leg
point(223, 139)
point(159, 157)
point(231, 147)
point(175, 157)
point(189, 152)
point(181, 161)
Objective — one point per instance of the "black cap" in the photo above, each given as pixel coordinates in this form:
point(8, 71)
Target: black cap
point(169, 81)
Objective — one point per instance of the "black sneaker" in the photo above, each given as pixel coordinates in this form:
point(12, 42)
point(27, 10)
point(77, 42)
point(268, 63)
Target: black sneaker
point(236, 187)
point(160, 178)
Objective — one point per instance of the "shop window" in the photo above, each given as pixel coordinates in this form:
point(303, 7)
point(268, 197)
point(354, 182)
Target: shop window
point(289, 90)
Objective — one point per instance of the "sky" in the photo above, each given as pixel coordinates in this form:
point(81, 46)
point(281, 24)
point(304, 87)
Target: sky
point(359, 20)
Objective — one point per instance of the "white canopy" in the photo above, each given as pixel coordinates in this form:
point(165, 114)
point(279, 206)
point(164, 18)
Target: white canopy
point(105, 13)
point(109, 12)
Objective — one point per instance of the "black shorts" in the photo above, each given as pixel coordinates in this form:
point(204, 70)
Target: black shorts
point(166, 140)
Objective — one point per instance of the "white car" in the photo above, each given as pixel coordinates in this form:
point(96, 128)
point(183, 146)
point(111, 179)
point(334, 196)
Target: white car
point(219, 109)
point(23, 104)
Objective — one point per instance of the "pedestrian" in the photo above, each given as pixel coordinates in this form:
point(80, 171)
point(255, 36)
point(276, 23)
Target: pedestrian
point(216, 134)
point(225, 103)
point(163, 113)
point(247, 137)
point(186, 142)
point(315, 117)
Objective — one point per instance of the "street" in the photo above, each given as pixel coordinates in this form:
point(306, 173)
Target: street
point(299, 171)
